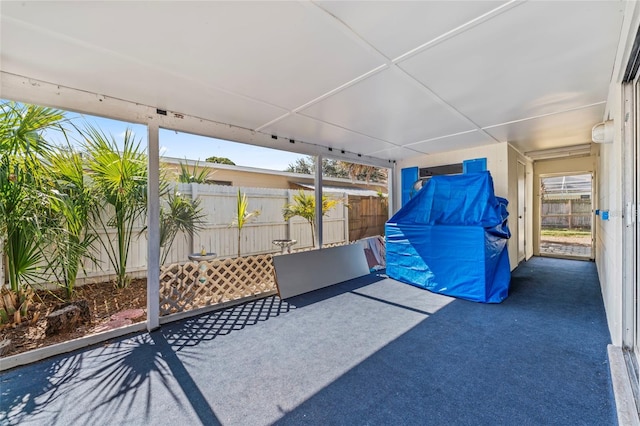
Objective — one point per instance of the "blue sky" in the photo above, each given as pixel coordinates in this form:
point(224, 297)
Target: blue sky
point(184, 145)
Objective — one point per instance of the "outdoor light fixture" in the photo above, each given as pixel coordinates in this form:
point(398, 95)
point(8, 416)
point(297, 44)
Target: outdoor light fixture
point(603, 132)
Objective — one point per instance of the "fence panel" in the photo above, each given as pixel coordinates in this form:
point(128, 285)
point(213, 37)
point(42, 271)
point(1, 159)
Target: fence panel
point(566, 213)
point(367, 216)
point(219, 204)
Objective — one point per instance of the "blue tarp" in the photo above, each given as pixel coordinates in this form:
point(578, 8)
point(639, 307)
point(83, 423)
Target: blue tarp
point(451, 238)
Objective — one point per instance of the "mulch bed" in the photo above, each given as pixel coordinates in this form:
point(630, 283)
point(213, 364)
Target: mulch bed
point(110, 308)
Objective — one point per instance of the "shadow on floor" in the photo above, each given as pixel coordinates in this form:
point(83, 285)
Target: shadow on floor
point(368, 351)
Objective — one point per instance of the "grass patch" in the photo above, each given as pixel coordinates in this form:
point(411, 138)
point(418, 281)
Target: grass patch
point(565, 233)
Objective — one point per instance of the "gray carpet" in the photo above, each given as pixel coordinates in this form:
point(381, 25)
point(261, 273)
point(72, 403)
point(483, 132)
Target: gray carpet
point(368, 351)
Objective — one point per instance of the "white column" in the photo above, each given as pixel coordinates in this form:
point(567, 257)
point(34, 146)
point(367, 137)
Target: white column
point(391, 194)
point(153, 229)
point(194, 197)
point(288, 233)
point(318, 195)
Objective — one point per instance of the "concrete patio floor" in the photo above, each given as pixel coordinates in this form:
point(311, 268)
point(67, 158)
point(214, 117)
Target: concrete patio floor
point(367, 351)
point(565, 249)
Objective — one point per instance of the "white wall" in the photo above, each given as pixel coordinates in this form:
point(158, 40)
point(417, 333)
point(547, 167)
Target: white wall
point(496, 156)
point(610, 166)
point(609, 232)
point(514, 156)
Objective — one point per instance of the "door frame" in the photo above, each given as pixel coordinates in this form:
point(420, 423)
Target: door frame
point(593, 227)
point(522, 199)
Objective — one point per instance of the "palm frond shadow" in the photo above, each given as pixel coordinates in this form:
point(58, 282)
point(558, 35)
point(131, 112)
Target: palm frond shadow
point(115, 379)
point(207, 327)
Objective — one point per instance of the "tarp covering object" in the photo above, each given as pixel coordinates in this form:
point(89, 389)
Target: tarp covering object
point(451, 238)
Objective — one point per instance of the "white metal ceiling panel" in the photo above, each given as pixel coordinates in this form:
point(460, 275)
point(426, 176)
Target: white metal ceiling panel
point(569, 128)
point(277, 52)
point(388, 106)
point(398, 153)
point(536, 58)
point(123, 78)
point(248, 63)
point(452, 143)
point(325, 134)
point(395, 28)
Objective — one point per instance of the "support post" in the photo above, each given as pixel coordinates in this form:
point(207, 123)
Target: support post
point(391, 194)
point(345, 215)
point(318, 195)
point(153, 228)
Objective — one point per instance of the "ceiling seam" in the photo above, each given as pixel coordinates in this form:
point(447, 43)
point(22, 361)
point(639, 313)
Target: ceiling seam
point(459, 29)
point(393, 65)
point(324, 96)
point(399, 147)
point(351, 130)
point(545, 115)
point(507, 123)
point(441, 137)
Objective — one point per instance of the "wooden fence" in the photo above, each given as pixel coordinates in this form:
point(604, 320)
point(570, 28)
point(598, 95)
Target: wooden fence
point(566, 214)
point(367, 216)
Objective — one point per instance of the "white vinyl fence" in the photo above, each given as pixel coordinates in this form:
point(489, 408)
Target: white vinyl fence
point(218, 203)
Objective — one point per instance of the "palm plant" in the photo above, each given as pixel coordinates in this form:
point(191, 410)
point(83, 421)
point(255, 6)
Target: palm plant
point(193, 175)
point(304, 205)
point(25, 196)
point(74, 205)
point(120, 179)
point(179, 214)
point(243, 215)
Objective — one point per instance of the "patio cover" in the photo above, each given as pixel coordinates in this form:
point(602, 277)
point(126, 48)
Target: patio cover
point(451, 238)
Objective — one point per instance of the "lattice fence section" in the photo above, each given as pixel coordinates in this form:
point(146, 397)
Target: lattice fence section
point(197, 284)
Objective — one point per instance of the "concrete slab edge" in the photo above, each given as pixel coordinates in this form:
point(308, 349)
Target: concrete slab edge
point(35, 355)
point(625, 404)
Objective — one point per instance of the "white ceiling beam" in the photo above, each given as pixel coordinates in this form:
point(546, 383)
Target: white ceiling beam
point(27, 90)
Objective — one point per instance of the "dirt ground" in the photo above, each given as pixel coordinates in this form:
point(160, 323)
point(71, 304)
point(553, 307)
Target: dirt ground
point(110, 307)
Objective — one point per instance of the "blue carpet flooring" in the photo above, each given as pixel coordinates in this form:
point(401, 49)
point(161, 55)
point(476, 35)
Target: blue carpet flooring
point(370, 351)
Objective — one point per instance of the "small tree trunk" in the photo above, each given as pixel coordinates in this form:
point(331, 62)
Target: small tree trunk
point(313, 234)
point(239, 229)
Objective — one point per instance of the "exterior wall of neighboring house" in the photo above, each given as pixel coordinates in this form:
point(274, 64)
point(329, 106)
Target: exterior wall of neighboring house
point(252, 177)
